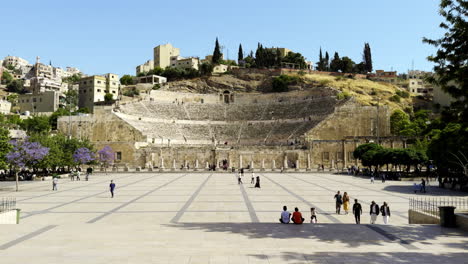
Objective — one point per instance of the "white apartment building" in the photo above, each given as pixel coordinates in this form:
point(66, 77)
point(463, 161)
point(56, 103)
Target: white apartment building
point(417, 84)
point(92, 89)
point(5, 107)
point(185, 63)
point(72, 70)
point(163, 53)
point(14, 61)
point(145, 67)
point(152, 79)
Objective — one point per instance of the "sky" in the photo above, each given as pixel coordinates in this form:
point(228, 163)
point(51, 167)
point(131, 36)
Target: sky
point(103, 36)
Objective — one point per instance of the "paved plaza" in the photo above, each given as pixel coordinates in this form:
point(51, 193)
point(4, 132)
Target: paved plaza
point(209, 218)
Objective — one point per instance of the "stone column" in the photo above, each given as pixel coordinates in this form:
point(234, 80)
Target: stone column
point(285, 163)
point(161, 164)
point(196, 165)
point(345, 163)
point(273, 165)
point(185, 165)
point(240, 161)
point(297, 165)
point(207, 166)
point(251, 165)
point(263, 165)
point(308, 162)
point(332, 168)
point(173, 165)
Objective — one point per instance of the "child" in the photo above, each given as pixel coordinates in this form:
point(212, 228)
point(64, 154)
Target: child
point(313, 216)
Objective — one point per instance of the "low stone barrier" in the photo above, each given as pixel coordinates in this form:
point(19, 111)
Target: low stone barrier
point(9, 217)
point(461, 219)
point(417, 217)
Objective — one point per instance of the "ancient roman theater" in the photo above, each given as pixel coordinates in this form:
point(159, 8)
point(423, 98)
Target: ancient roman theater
point(298, 130)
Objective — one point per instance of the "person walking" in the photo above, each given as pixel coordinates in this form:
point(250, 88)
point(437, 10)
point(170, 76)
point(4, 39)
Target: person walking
point(383, 177)
point(297, 217)
point(357, 211)
point(313, 216)
point(72, 176)
point(112, 188)
point(372, 178)
point(374, 212)
point(54, 184)
point(338, 202)
point(346, 202)
point(285, 216)
point(257, 184)
point(78, 173)
point(252, 180)
point(239, 178)
point(423, 186)
point(385, 210)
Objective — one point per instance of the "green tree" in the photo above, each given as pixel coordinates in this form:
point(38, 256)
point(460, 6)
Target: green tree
point(320, 63)
point(451, 69)
point(281, 83)
point(206, 69)
point(15, 86)
point(6, 77)
point(108, 98)
point(399, 121)
point(126, 80)
point(216, 53)
point(72, 79)
point(335, 64)
point(5, 147)
point(347, 65)
point(37, 124)
point(55, 115)
point(296, 58)
point(240, 54)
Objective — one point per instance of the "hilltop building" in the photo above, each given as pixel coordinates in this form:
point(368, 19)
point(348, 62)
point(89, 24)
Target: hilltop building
point(92, 89)
point(145, 67)
point(418, 85)
point(163, 54)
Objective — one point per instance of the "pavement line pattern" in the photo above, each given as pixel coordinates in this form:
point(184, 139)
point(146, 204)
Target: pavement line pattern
point(26, 237)
point(350, 197)
point(391, 237)
point(248, 203)
point(82, 198)
point(184, 208)
point(66, 190)
point(332, 218)
point(133, 200)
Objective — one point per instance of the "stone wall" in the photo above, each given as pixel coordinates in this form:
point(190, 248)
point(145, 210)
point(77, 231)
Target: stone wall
point(415, 217)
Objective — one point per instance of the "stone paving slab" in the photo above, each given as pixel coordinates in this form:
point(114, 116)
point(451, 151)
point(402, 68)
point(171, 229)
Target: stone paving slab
point(209, 218)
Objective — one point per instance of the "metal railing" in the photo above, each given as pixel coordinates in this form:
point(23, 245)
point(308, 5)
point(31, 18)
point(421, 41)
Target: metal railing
point(7, 204)
point(431, 205)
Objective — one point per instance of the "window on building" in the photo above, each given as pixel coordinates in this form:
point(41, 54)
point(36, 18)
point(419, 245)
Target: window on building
point(40, 100)
point(118, 155)
point(98, 90)
point(113, 92)
point(27, 100)
point(325, 155)
point(99, 82)
point(339, 156)
point(350, 156)
point(34, 100)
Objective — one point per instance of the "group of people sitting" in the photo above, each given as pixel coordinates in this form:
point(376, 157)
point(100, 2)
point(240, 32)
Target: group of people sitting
point(296, 217)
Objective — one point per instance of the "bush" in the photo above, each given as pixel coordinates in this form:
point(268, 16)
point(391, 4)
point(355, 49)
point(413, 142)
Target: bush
point(282, 82)
point(396, 98)
point(373, 92)
point(324, 83)
point(156, 86)
point(403, 94)
point(343, 95)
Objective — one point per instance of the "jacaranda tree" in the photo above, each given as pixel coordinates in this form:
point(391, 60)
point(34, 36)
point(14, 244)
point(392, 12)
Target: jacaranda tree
point(106, 157)
point(83, 156)
point(25, 154)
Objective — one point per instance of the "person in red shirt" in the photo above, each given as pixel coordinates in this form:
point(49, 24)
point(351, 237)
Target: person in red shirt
point(297, 217)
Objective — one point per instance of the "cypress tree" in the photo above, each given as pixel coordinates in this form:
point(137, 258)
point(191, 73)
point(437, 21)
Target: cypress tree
point(216, 53)
point(327, 61)
point(367, 58)
point(240, 54)
point(320, 61)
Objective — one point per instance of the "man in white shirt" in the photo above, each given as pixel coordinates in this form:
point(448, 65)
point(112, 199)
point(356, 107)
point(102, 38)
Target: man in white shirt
point(285, 216)
point(54, 184)
point(374, 212)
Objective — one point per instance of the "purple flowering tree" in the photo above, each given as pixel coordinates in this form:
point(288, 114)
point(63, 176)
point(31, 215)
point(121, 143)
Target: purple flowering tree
point(106, 157)
point(25, 154)
point(83, 156)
